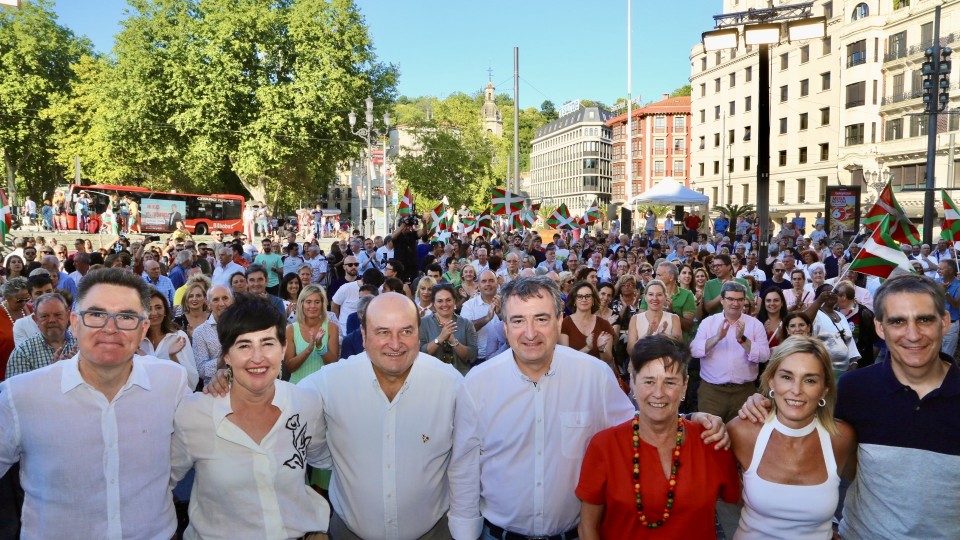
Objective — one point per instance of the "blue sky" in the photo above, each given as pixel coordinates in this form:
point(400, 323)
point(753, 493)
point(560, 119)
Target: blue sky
point(568, 49)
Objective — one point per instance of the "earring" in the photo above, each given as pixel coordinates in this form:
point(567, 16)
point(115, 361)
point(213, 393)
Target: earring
point(770, 393)
point(229, 375)
point(822, 402)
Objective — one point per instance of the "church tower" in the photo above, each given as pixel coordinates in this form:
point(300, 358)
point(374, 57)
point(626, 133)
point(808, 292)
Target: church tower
point(490, 114)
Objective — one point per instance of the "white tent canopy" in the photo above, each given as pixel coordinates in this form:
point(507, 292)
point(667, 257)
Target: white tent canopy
point(669, 191)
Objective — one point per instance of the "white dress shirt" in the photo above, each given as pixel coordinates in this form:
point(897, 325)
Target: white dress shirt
point(222, 274)
point(390, 458)
point(347, 298)
point(184, 357)
point(244, 489)
point(474, 309)
point(92, 468)
point(519, 445)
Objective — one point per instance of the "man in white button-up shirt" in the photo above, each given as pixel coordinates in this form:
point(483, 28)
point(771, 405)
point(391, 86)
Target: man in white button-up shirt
point(390, 419)
point(483, 311)
point(92, 434)
point(523, 424)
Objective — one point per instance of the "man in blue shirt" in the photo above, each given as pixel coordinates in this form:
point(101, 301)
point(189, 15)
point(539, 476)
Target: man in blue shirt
point(720, 225)
point(947, 269)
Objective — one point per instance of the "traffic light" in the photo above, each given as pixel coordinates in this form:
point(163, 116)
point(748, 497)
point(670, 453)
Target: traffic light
point(936, 78)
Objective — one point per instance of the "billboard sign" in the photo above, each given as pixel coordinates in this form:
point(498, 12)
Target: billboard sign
point(159, 215)
point(842, 211)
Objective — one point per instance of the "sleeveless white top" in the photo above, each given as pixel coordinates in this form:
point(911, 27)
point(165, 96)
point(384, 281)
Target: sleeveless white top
point(773, 510)
point(643, 325)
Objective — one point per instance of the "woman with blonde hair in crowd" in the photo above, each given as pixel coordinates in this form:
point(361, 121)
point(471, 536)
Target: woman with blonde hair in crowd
point(424, 297)
point(792, 462)
point(655, 319)
point(194, 308)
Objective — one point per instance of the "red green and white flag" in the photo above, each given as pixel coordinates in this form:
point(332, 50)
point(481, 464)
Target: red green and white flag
point(504, 202)
point(901, 229)
point(516, 221)
point(881, 253)
point(405, 208)
point(6, 223)
point(561, 218)
point(951, 219)
point(485, 223)
point(529, 218)
point(435, 217)
point(592, 215)
point(469, 224)
point(535, 208)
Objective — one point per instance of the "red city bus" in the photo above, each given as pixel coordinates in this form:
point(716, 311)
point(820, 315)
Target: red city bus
point(160, 210)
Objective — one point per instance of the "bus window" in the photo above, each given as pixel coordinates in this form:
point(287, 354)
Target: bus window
point(232, 209)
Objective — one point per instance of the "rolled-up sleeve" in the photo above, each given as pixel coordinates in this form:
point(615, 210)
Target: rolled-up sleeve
point(759, 346)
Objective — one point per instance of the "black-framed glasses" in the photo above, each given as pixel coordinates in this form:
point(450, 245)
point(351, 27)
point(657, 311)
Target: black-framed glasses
point(584, 297)
point(92, 318)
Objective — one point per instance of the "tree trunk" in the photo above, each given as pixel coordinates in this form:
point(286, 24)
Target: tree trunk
point(257, 186)
point(11, 169)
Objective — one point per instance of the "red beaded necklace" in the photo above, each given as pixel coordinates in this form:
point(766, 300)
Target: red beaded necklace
point(673, 474)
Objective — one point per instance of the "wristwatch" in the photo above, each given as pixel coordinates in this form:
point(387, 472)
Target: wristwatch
point(742, 339)
point(436, 341)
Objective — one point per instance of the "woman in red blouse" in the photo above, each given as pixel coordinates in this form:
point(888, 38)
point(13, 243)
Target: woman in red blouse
point(653, 477)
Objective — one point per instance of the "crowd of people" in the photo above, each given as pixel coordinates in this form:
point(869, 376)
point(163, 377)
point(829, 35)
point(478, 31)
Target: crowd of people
point(526, 385)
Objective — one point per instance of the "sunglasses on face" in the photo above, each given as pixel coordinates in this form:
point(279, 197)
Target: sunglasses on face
point(351, 264)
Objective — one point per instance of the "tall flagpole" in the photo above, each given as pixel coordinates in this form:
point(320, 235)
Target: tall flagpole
point(628, 170)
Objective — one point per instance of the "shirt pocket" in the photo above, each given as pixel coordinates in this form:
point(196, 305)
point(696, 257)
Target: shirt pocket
point(575, 432)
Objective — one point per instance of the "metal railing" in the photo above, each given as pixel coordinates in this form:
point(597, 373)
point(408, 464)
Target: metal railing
point(919, 48)
point(856, 59)
point(903, 96)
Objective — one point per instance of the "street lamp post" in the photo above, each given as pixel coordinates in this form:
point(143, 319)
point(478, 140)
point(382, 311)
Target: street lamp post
point(763, 27)
point(369, 134)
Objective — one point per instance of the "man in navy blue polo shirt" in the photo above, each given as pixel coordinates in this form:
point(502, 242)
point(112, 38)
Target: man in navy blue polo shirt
point(905, 415)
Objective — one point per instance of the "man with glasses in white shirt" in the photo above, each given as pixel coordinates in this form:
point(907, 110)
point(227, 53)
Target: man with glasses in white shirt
point(78, 411)
point(532, 409)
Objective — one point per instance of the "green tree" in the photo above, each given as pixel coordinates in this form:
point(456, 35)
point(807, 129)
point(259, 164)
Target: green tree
point(683, 91)
point(733, 211)
point(35, 58)
point(260, 88)
point(448, 163)
point(549, 111)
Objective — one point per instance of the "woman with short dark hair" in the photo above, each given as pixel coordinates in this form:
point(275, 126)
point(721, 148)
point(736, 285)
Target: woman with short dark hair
point(250, 448)
point(583, 329)
point(446, 335)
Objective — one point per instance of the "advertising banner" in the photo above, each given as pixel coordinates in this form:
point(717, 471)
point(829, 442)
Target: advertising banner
point(842, 211)
point(157, 215)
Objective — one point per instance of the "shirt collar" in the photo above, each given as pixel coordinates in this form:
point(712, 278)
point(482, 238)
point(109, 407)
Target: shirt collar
point(949, 387)
point(221, 404)
point(71, 378)
point(211, 321)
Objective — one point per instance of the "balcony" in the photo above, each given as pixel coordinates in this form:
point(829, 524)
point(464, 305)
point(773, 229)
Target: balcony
point(856, 59)
point(919, 48)
point(904, 96)
point(855, 103)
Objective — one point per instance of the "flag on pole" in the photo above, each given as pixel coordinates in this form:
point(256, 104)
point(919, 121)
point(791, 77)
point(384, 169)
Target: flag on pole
point(516, 221)
point(881, 254)
point(951, 219)
point(561, 218)
point(504, 202)
point(405, 208)
point(535, 208)
point(529, 218)
point(6, 223)
point(592, 215)
point(485, 223)
point(435, 217)
point(469, 224)
point(901, 229)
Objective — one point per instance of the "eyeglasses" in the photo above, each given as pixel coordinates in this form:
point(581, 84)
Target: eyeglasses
point(735, 300)
point(98, 319)
point(584, 297)
point(351, 264)
point(779, 269)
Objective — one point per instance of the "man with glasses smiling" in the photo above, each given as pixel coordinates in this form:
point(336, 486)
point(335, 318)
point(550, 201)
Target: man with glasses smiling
point(731, 346)
point(76, 412)
point(722, 267)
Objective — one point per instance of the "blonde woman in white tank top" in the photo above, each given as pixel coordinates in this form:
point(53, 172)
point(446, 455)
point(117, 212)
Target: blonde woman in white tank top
point(656, 319)
point(792, 462)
